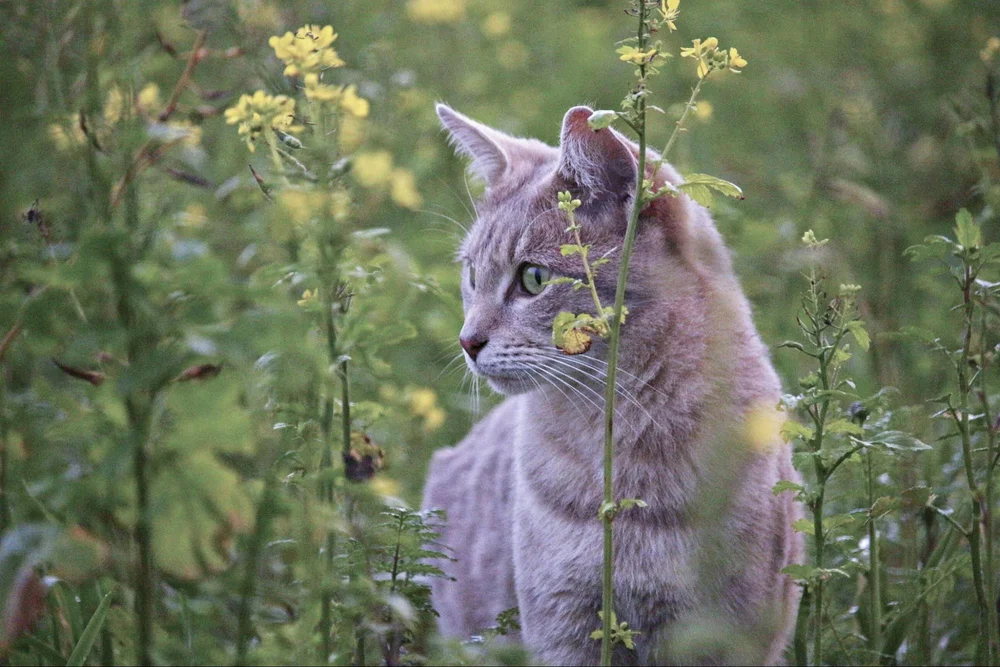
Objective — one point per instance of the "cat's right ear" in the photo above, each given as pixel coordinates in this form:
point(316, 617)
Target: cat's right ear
point(481, 143)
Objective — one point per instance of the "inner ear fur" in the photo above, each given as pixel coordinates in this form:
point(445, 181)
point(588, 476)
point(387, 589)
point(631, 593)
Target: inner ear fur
point(599, 163)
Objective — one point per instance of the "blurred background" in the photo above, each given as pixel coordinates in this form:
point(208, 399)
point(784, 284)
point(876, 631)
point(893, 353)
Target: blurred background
point(851, 119)
point(866, 121)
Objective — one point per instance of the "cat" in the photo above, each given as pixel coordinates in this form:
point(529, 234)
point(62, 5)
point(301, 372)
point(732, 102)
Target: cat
point(697, 571)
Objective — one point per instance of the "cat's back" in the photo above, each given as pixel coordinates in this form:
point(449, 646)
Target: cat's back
point(472, 483)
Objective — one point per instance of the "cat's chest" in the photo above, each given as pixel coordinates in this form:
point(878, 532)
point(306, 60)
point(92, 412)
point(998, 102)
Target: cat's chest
point(559, 461)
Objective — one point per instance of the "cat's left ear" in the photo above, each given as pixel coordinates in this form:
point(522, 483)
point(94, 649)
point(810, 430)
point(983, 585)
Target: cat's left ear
point(599, 162)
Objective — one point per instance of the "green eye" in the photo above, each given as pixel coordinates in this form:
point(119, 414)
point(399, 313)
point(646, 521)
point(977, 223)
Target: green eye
point(534, 278)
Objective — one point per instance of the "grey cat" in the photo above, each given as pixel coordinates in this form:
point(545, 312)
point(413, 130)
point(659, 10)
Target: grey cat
point(698, 571)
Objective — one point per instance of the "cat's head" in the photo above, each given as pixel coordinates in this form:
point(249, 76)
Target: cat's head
point(513, 249)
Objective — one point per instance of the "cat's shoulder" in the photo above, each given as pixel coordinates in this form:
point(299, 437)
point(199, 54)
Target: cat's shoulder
point(486, 451)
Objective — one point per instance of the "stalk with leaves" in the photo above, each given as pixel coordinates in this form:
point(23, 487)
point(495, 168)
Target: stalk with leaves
point(572, 331)
point(968, 260)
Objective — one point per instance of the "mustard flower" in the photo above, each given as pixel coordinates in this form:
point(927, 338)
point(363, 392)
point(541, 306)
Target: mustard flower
point(353, 104)
point(320, 92)
point(736, 61)
point(256, 112)
point(308, 51)
point(702, 52)
point(404, 189)
point(668, 9)
point(308, 297)
point(372, 169)
point(436, 11)
point(630, 54)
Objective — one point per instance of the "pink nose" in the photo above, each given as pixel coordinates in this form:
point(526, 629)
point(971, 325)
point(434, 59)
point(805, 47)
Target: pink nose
point(472, 346)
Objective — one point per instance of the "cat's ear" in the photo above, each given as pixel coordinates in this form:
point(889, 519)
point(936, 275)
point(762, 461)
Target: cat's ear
point(488, 148)
point(599, 162)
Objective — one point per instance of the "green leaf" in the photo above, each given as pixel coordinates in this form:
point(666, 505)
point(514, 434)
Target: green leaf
point(570, 249)
point(967, 232)
point(844, 426)
point(857, 329)
point(700, 186)
point(792, 429)
point(601, 119)
point(804, 526)
point(800, 572)
point(784, 485)
point(82, 649)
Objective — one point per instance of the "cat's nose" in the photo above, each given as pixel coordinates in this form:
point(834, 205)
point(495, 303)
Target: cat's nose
point(472, 346)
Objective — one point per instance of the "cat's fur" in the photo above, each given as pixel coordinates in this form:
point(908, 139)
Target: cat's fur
point(522, 490)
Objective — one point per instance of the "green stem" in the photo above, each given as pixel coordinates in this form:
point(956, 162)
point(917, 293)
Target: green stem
point(5, 520)
point(249, 587)
point(991, 446)
point(679, 127)
point(874, 581)
point(984, 646)
point(800, 642)
point(607, 596)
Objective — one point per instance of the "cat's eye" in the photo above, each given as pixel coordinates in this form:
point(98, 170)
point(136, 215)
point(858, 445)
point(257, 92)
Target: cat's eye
point(472, 276)
point(534, 278)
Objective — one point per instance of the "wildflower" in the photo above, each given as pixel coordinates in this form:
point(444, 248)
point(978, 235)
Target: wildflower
point(736, 61)
point(114, 104)
point(809, 238)
point(669, 12)
point(404, 190)
point(320, 92)
point(308, 297)
point(256, 112)
point(148, 99)
point(496, 24)
point(630, 54)
point(308, 51)
point(353, 104)
point(372, 169)
point(990, 50)
point(436, 11)
point(702, 52)
point(762, 427)
point(703, 111)
point(423, 403)
point(351, 133)
point(65, 140)
point(340, 204)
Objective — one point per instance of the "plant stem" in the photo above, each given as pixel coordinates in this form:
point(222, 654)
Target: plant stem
point(4, 460)
point(607, 596)
point(248, 590)
point(874, 580)
point(991, 446)
point(984, 649)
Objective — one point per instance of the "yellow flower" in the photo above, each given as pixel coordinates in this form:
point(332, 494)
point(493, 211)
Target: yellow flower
point(301, 206)
point(762, 427)
point(307, 297)
point(703, 111)
point(404, 189)
point(423, 403)
point(702, 52)
point(113, 106)
point(340, 204)
point(256, 112)
point(148, 99)
point(736, 61)
point(351, 134)
point(372, 169)
point(308, 51)
point(991, 48)
point(496, 24)
point(353, 104)
point(436, 11)
point(668, 9)
point(630, 54)
point(321, 92)
point(65, 140)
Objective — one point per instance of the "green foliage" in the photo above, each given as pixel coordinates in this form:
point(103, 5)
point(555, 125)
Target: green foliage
point(154, 314)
